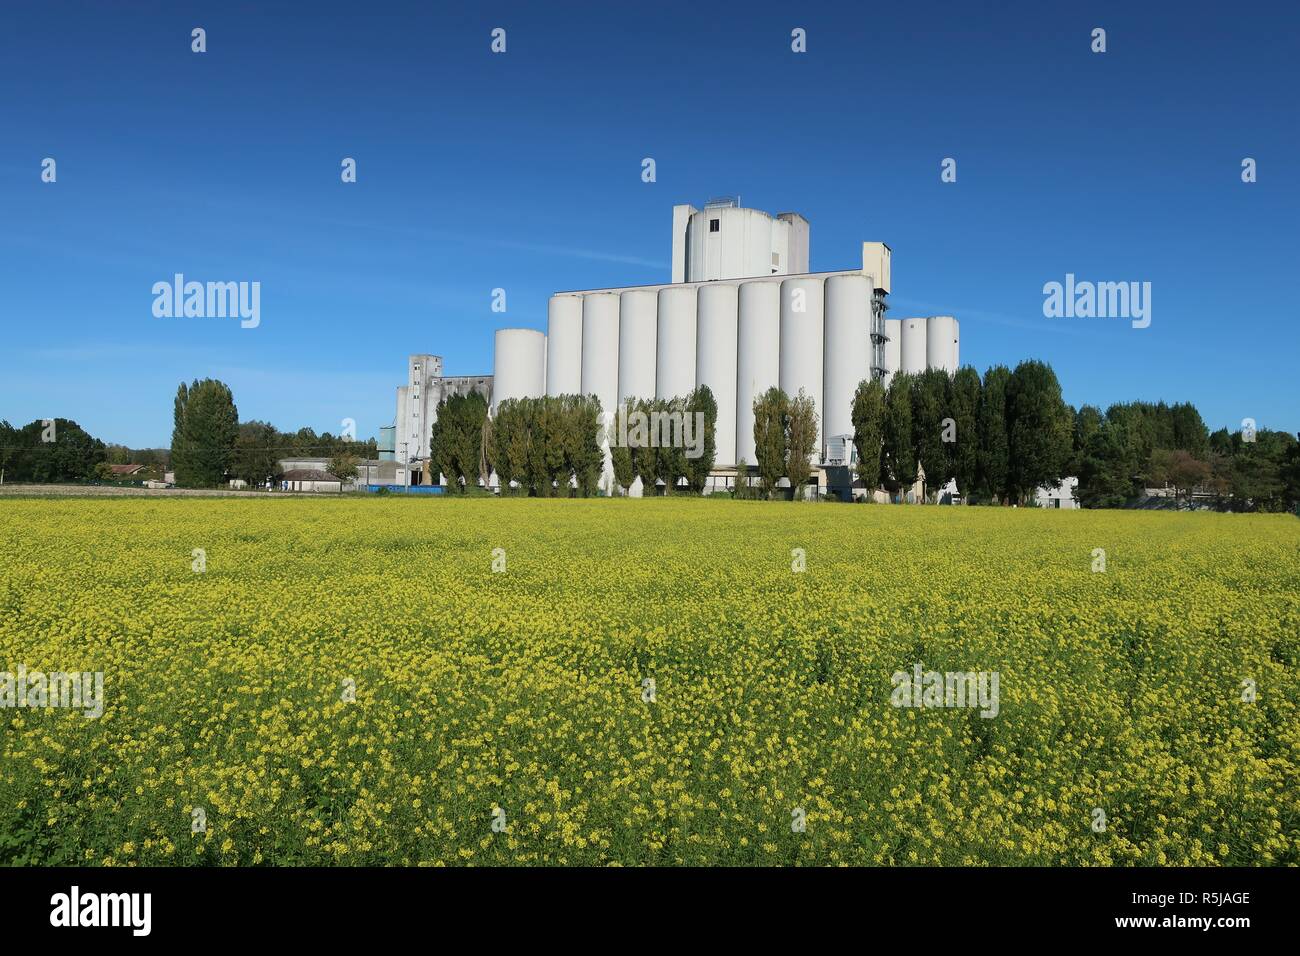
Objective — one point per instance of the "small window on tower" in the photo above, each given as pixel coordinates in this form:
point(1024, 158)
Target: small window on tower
point(714, 224)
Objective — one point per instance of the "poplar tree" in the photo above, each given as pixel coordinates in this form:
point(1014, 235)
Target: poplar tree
point(204, 434)
point(995, 450)
point(800, 440)
point(964, 409)
point(869, 430)
point(701, 401)
point(769, 437)
point(899, 457)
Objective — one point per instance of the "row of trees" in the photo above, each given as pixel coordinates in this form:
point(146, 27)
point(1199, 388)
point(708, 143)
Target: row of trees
point(1261, 474)
point(785, 437)
point(1135, 445)
point(459, 444)
point(544, 446)
point(665, 441)
point(1005, 435)
point(1000, 437)
point(210, 444)
point(49, 450)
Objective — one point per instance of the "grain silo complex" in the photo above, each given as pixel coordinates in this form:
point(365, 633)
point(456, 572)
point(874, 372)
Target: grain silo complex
point(742, 314)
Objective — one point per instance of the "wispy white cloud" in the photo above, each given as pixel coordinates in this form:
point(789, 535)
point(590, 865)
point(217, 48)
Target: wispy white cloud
point(261, 211)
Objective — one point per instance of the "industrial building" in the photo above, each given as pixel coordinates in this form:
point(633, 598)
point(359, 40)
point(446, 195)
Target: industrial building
point(406, 441)
point(742, 314)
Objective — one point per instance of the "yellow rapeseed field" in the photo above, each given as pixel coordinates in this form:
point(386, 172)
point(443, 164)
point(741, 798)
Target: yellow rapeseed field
point(348, 681)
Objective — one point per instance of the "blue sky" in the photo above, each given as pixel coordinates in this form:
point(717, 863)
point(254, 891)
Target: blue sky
point(522, 171)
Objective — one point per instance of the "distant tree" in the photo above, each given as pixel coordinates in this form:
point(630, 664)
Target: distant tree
point(306, 443)
point(1132, 443)
point(203, 442)
point(665, 426)
point(1107, 468)
point(800, 441)
point(442, 454)
point(1290, 475)
point(620, 452)
point(964, 408)
point(770, 411)
point(510, 440)
point(1259, 471)
point(1224, 443)
point(9, 449)
point(118, 455)
point(1180, 470)
point(256, 456)
point(645, 454)
point(549, 448)
point(59, 450)
point(104, 471)
point(1255, 482)
point(487, 452)
point(456, 439)
point(929, 396)
point(1040, 427)
point(179, 453)
point(869, 430)
point(701, 402)
point(344, 466)
point(1190, 433)
point(899, 454)
point(1088, 421)
point(540, 429)
point(995, 446)
point(586, 459)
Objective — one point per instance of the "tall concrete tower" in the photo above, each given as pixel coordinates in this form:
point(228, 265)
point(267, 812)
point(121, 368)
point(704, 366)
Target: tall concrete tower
point(726, 241)
point(417, 401)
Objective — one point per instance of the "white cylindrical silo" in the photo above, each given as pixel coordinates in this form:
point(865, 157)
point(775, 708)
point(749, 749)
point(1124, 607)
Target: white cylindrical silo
point(758, 332)
point(956, 345)
point(564, 345)
point(638, 319)
point(941, 343)
point(912, 348)
point(600, 348)
point(715, 362)
point(847, 349)
point(675, 363)
point(519, 366)
point(894, 330)
point(802, 335)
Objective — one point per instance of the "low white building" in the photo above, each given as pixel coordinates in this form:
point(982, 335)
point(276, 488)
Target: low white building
point(310, 479)
point(1063, 495)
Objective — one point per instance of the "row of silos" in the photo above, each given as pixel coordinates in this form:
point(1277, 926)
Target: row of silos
point(920, 343)
point(739, 338)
